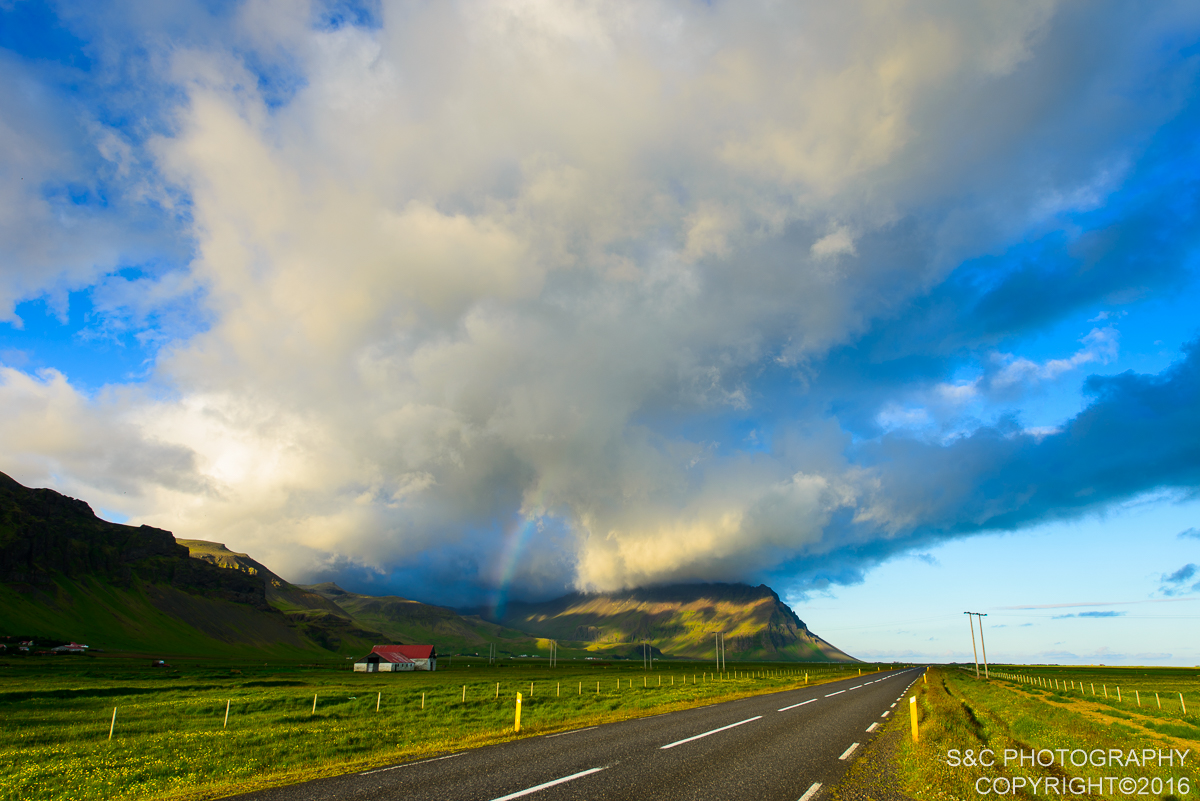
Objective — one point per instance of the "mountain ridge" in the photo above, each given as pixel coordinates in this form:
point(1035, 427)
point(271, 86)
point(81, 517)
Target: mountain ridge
point(679, 618)
point(65, 572)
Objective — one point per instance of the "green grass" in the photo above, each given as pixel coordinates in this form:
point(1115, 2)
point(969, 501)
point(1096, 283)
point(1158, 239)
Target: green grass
point(1131, 689)
point(169, 740)
point(127, 619)
point(959, 712)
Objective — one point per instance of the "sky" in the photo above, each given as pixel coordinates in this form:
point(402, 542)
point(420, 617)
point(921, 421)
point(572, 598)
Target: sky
point(889, 305)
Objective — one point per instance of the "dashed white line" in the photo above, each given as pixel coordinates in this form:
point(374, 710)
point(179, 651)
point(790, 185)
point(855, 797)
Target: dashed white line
point(845, 754)
point(885, 714)
point(839, 692)
point(855, 688)
point(565, 733)
point(410, 764)
point(572, 777)
point(873, 726)
point(705, 734)
point(810, 792)
point(793, 706)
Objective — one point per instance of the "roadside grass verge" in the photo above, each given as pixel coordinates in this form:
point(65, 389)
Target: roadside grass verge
point(960, 717)
point(170, 739)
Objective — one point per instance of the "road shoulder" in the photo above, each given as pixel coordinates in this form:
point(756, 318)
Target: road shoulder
point(875, 775)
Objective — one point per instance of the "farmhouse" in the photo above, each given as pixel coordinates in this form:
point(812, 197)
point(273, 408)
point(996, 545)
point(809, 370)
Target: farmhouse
point(393, 658)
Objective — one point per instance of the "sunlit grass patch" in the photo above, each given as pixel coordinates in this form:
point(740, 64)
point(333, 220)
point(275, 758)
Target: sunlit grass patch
point(170, 738)
point(961, 717)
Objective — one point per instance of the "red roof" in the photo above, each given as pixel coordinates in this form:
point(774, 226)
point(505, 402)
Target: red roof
point(386, 653)
point(407, 652)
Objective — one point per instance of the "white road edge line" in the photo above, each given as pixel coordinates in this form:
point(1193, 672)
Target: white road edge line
point(839, 692)
point(573, 776)
point(793, 706)
point(885, 714)
point(698, 736)
point(873, 726)
point(564, 733)
point(410, 764)
point(844, 755)
point(810, 792)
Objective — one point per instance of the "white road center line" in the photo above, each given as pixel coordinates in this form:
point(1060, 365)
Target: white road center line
point(410, 764)
point(576, 731)
point(564, 779)
point(845, 754)
point(793, 706)
point(839, 692)
point(705, 734)
point(810, 792)
point(872, 727)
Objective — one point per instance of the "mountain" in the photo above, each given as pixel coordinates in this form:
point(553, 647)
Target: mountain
point(681, 620)
point(66, 574)
point(409, 621)
point(317, 617)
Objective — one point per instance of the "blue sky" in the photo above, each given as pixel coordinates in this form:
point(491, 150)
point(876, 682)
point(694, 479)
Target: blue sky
point(892, 308)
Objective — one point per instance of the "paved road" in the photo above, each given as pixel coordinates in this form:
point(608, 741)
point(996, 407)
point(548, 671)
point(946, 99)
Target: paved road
point(780, 747)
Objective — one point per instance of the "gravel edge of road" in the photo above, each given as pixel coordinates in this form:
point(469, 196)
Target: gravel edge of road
point(874, 775)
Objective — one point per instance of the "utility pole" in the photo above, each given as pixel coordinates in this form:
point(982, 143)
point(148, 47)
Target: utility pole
point(982, 644)
point(973, 650)
point(981, 615)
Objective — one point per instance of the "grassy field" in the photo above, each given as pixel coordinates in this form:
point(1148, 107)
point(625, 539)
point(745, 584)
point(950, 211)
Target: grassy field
point(170, 739)
point(1044, 709)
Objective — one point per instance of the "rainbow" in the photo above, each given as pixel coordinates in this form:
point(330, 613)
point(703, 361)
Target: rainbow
point(516, 542)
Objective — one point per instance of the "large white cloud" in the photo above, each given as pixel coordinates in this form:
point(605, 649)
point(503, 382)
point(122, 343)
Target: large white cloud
point(490, 261)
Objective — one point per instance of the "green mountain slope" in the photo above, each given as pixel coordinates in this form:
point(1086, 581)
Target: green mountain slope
point(408, 621)
point(66, 574)
point(681, 620)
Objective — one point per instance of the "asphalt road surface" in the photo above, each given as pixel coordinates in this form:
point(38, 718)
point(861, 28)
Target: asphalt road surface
point(786, 746)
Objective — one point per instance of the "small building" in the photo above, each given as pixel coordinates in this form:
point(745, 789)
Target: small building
point(384, 659)
point(70, 648)
point(392, 658)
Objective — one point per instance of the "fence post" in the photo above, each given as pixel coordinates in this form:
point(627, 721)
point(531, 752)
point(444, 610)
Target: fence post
point(113, 725)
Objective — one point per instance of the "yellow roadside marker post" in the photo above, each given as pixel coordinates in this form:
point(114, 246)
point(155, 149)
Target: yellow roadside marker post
point(912, 714)
point(517, 726)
